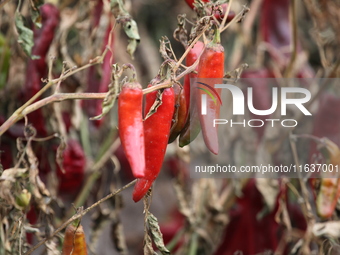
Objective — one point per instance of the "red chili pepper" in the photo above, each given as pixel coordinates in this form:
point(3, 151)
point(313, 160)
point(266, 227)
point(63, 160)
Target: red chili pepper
point(211, 66)
point(74, 163)
point(130, 125)
point(180, 113)
point(156, 136)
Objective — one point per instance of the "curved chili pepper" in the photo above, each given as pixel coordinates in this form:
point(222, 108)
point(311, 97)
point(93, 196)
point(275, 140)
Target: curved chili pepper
point(211, 66)
point(156, 136)
point(180, 113)
point(130, 125)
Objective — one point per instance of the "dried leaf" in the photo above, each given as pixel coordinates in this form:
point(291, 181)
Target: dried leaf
point(111, 96)
point(331, 228)
point(156, 234)
point(25, 34)
point(59, 155)
point(180, 33)
point(156, 104)
point(131, 47)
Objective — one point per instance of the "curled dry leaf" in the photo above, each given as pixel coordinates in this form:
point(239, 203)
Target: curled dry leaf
point(156, 234)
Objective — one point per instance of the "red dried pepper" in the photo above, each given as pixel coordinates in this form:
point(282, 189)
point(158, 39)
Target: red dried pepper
point(74, 163)
point(180, 113)
point(211, 66)
point(130, 125)
point(156, 136)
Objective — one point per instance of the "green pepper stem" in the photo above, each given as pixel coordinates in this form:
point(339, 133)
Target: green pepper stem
point(217, 36)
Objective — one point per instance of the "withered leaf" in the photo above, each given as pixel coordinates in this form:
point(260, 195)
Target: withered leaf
point(156, 234)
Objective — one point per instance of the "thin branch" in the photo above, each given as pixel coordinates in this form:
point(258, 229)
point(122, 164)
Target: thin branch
point(293, 14)
point(226, 15)
point(79, 215)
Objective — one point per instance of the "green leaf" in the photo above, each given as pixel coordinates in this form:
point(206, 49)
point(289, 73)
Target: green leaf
point(5, 55)
point(25, 35)
point(156, 234)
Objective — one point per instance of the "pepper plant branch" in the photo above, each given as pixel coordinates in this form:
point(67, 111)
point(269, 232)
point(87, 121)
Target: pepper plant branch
point(226, 15)
point(237, 18)
point(78, 216)
point(18, 114)
point(293, 14)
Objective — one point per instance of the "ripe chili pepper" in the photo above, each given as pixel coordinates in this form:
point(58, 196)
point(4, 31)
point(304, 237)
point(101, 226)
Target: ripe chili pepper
point(74, 240)
point(156, 137)
point(74, 166)
point(211, 66)
point(130, 125)
point(180, 113)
